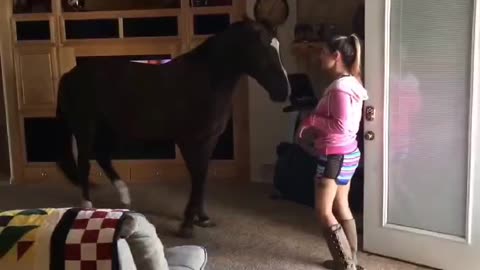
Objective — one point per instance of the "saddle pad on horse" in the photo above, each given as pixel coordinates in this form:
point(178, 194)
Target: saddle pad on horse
point(60, 239)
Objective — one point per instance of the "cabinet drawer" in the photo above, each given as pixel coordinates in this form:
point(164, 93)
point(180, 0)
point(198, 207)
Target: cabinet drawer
point(158, 171)
point(97, 175)
point(40, 174)
point(222, 170)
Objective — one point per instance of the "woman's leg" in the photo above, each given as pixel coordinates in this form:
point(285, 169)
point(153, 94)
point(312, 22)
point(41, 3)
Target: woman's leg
point(326, 190)
point(345, 217)
point(341, 206)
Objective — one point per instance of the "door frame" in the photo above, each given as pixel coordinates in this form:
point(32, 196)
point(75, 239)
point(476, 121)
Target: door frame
point(377, 46)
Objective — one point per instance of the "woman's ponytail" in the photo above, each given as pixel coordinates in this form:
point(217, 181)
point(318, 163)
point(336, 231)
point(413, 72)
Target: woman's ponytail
point(356, 68)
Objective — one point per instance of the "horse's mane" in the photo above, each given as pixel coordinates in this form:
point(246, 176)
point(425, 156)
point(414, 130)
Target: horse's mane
point(211, 41)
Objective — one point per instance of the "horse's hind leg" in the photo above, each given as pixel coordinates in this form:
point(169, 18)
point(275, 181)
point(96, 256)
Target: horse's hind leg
point(196, 156)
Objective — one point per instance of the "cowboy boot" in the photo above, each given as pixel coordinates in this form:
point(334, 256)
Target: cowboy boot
point(350, 228)
point(339, 248)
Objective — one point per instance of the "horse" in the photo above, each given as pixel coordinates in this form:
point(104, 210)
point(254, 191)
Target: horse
point(187, 100)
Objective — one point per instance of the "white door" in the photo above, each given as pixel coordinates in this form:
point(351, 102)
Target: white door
point(422, 166)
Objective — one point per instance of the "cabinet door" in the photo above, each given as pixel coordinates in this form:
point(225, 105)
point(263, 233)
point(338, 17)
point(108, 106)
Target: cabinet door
point(66, 60)
point(37, 76)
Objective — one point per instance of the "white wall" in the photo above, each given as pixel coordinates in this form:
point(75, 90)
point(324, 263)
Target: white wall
point(268, 124)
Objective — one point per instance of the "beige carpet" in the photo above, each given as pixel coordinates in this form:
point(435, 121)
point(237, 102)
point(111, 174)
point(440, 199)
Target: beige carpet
point(253, 231)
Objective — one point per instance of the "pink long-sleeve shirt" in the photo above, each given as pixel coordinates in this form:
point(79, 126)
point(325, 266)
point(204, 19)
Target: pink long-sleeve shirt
point(336, 119)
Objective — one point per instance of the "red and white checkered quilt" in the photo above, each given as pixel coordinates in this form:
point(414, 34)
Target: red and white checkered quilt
point(90, 241)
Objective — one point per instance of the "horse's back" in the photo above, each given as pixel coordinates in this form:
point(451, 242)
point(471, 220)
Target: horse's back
point(145, 100)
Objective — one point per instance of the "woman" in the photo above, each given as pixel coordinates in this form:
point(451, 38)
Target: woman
point(332, 128)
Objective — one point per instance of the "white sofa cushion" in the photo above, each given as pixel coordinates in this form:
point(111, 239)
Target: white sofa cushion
point(140, 245)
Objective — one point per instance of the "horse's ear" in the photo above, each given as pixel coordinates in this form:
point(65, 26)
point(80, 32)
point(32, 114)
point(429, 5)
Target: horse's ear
point(268, 26)
point(260, 25)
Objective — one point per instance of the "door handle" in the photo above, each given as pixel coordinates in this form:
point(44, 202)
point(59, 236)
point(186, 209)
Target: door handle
point(370, 113)
point(369, 135)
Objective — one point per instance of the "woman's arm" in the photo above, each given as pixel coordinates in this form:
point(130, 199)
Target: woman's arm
point(335, 122)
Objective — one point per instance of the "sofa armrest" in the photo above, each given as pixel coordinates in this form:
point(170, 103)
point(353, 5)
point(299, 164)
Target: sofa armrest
point(125, 257)
point(144, 245)
point(186, 258)
point(140, 248)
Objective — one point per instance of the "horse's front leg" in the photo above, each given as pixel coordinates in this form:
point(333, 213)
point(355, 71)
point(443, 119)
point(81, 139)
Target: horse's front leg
point(84, 146)
point(196, 155)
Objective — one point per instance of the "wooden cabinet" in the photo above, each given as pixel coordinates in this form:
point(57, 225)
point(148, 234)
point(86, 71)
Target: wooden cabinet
point(37, 75)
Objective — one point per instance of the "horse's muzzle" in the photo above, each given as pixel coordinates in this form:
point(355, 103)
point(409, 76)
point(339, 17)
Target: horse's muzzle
point(278, 98)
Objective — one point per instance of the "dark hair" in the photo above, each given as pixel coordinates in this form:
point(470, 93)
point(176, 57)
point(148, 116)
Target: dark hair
point(350, 49)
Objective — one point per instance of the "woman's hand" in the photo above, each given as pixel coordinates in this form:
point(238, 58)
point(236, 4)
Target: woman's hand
point(306, 135)
point(305, 139)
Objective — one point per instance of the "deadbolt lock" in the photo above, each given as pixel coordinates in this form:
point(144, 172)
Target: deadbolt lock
point(370, 113)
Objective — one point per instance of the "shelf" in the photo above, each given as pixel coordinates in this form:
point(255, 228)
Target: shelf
point(37, 30)
point(169, 39)
point(124, 41)
point(209, 24)
point(210, 3)
point(31, 16)
point(36, 43)
point(150, 27)
point(305, 48)
point(212, 10)
point(126, 5)
point(148, 13)
point(201, 38)
point(31, 7)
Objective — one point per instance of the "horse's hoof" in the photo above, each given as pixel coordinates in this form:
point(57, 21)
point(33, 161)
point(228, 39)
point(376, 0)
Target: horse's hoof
point(205, 223)
point(123, 191)
point(185, 232)
point(86, 204)
point(276, 195)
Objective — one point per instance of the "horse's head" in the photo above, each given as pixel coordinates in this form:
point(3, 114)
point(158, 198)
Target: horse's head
point(258, 52)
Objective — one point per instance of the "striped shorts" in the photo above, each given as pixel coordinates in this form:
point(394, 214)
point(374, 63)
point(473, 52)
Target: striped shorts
point(338, 167)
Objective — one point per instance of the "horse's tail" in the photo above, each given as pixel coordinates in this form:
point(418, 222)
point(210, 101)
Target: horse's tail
point(65, 160)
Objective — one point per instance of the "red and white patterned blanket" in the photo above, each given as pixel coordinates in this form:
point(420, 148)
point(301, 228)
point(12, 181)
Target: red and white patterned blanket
point(60, 239)
point(90, 242)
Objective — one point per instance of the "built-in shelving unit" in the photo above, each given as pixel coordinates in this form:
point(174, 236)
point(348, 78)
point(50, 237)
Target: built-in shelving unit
point(42, 42)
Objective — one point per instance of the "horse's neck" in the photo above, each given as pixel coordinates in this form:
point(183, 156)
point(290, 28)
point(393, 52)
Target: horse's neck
point(223, 69)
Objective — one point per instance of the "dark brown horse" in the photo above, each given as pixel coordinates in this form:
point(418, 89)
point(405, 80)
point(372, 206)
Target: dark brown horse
point(188, 100)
